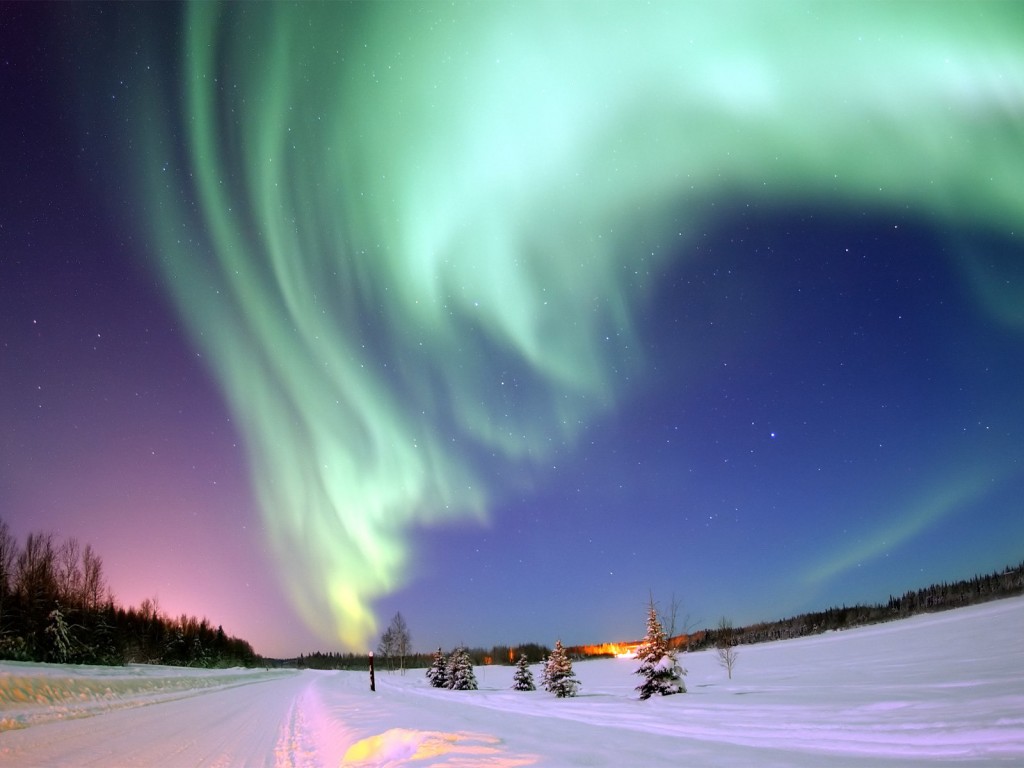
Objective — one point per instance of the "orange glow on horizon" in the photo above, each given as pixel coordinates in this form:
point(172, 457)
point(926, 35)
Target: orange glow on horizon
point(627, 650)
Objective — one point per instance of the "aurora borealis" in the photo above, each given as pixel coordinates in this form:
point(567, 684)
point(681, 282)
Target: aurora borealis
point(536, 307)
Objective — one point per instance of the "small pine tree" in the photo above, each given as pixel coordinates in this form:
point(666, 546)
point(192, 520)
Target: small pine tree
point(544, 672)
point(460, 671)
point(61, 640)
point(559, 678)
point(658, 666)
point(523, 680)
point(436, 674)
point(449, 667)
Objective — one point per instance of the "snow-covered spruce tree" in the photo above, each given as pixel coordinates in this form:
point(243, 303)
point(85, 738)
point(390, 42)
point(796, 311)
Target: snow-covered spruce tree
point(559, 677)
point(62, 644)
point(523, 680)
point(658, 666)
point(460, 671)
point(449, 668)
point(436, 674)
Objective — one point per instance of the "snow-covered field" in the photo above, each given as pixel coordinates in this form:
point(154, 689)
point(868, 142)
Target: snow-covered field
point(947, 687)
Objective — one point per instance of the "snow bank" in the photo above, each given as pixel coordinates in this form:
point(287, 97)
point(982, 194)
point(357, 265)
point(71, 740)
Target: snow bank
point(31, 694)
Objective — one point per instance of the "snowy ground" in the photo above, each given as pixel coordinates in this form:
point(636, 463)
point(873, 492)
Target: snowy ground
point(947, 687)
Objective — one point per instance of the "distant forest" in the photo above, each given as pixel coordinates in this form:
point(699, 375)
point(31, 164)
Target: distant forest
point(498, 654)
point(55, 606)
point(938, 597)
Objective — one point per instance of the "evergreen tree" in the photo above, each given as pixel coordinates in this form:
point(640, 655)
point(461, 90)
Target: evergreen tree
point(559, 678)
point(449, 668)
point(62, 644)
point(544, 672)
point(523, 680)
point(437, 672)
point(460, 671)
point(658, 666)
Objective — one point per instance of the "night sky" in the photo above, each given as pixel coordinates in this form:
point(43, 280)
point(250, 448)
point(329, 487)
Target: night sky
point(508, 316)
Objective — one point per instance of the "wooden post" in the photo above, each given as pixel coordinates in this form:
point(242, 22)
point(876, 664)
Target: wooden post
point(373, 685)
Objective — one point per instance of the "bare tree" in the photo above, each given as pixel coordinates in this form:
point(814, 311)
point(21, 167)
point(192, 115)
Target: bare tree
point(8, 555)
point(69, 573)
point(149, 609)
point(675, 625)
point(93, 583)
point(725, 643)
point(36, 585)
point(35, 577)
point(403, 640)
point(386, 648)
point(395, 643)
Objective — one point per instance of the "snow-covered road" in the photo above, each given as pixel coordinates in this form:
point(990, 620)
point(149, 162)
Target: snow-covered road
point(239, 723)
point(941, 688)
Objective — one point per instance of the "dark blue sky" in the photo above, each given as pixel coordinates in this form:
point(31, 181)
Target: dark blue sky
point(764, 392)
point(830, 417)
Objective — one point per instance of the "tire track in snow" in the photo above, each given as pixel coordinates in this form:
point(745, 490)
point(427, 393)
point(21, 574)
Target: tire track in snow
point(296, 746)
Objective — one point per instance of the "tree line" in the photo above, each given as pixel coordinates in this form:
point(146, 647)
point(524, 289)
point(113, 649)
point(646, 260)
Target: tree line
point(937, 597)
point(394, 653)
point(55, 606)
point(497, 654)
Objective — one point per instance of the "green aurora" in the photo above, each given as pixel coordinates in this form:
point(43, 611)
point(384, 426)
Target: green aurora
point(413, 240)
